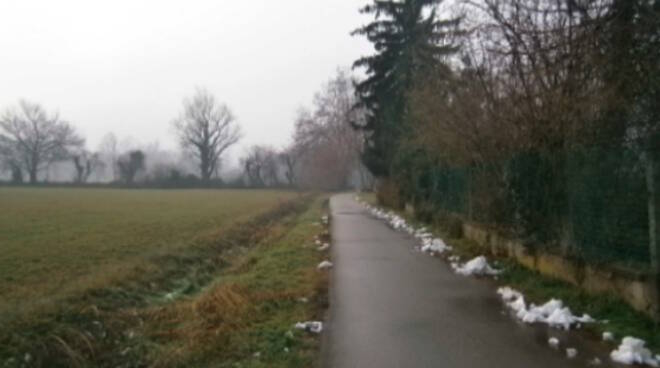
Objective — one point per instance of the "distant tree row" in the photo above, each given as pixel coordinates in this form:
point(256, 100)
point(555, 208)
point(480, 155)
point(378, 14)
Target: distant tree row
point(325, 152)
point(32, 141)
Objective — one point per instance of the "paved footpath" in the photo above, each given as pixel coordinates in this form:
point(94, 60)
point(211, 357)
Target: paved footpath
point(391, 306)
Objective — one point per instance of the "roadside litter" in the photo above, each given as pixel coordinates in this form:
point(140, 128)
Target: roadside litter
point(310, 326)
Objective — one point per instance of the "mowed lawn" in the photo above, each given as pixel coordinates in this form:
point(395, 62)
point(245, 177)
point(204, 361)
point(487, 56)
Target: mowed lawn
point(56, 242)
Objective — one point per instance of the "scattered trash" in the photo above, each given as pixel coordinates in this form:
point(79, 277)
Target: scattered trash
point(310, 326)
point(508, 294)
point(454, 259)
point(553, 342)
point(324, 265)
point(324, 247)
point(434, 246)
point(552, 313)
point(571, 353)
point(608, 336)
point(633, 351)
point(478, 266)
point(429, 244)
point(595, 361)
point(303, 300)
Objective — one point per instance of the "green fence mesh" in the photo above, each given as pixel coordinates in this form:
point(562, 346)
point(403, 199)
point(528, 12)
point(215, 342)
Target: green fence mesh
point(591, 202)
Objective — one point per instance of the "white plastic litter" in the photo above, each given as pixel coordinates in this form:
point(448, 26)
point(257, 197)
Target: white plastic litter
point(310, 326)
point(608, 336)
point(324, 265)
point(434, 246)
point(632, 351)
point(395, 221)
point(478, 266)
point(552, 313)
point(518, 305)
point(595, 361)
point(553, 342)
point(508, 294)
point(429, 244)
point(324, 247)
point(571, 353)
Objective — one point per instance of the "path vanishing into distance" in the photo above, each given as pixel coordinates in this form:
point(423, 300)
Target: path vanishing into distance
point(391, 306)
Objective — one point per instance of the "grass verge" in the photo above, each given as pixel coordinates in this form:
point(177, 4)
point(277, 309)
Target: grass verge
point(246, 317)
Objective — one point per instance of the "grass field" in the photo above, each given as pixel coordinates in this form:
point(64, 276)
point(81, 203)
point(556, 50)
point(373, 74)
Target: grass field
point(76, 259)
point(57, 241)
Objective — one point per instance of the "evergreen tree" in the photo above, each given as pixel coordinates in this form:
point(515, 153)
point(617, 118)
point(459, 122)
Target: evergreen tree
point(409, 39)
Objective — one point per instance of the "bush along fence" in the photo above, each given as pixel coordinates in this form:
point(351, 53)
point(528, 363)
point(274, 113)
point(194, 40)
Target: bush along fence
point(595, 207)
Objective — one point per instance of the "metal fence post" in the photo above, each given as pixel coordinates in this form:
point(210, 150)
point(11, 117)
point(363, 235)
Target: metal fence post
point(654, 230)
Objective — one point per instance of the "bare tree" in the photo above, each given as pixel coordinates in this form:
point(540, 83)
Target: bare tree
point(108, 150)
point(328, 146)
point(35, 139)
point(261, 166)
point(130, 164)
point(206, 129)
point(85, 163)
point(8, 160)
point(290, 158)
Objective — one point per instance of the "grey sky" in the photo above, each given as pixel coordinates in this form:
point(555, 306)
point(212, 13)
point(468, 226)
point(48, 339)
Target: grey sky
point(125, 65)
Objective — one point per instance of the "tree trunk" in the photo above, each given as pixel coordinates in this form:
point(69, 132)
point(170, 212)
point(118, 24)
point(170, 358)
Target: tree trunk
point(205, 170)
point(16, 174)
point(33, 175)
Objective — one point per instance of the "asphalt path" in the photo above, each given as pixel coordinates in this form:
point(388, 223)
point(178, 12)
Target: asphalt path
point(392, 306)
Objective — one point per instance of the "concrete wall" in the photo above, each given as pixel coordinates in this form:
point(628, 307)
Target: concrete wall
point(638, 289)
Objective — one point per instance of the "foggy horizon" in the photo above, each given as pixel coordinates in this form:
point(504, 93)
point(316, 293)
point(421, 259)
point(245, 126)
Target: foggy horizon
point(126, 67)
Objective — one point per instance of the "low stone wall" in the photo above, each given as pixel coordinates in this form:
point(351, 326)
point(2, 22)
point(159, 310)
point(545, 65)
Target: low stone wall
point(637, 288)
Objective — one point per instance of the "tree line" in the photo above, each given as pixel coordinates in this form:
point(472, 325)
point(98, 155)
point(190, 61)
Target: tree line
point(324, 153)
point(523, 113)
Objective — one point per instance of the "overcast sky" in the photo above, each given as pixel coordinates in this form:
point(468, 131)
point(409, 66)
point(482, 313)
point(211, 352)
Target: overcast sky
point(124, 66)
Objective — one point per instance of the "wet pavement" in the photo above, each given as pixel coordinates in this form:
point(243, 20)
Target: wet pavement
point(391, 306)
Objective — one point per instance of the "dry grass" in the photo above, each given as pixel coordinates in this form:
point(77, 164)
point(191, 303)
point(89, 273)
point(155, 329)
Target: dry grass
point(246, 318)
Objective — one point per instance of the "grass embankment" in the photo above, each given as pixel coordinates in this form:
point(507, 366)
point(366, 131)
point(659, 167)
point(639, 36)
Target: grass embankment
point(622, 320)
point(214, 299)
point(245, 318)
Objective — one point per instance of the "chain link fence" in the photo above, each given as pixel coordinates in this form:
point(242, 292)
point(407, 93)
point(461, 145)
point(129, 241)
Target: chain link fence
point(591, 203)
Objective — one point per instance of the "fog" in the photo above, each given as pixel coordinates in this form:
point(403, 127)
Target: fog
point(125, 66)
